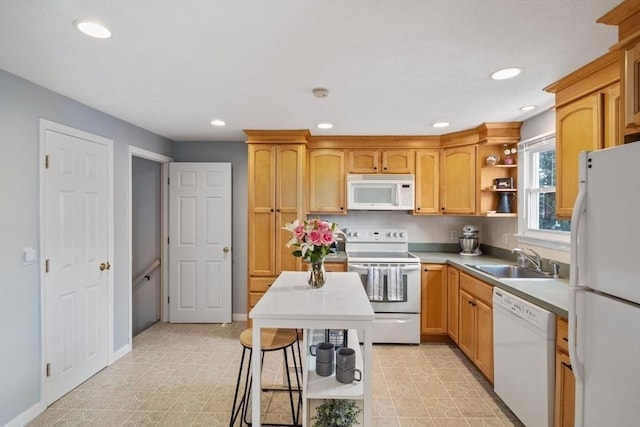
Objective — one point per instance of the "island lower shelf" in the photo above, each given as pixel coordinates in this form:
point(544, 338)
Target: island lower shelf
point(319, 387)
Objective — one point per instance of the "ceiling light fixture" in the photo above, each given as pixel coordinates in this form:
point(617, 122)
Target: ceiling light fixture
point(441, 124)
point(92, 29)
point(324, 125)
point(528, 107)
point(320, 92)
point(505, 73)
point(218, 122)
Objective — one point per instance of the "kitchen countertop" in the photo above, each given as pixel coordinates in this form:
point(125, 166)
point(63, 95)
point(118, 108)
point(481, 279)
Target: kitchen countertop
point(550, 294)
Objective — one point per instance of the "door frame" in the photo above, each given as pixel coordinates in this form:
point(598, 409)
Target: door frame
point(164, 231)
point(46, 125)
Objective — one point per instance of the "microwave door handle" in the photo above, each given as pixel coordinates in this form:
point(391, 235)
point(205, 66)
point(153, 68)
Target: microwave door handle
point(398, 190)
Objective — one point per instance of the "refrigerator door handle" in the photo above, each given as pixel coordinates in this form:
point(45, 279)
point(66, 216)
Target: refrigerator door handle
point(577, 233)
point(576, 365)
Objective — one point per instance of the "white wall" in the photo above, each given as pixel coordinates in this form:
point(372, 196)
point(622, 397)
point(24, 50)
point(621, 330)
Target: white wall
point(22, 104)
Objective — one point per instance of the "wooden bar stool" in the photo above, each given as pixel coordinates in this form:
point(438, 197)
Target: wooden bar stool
point(271, 340)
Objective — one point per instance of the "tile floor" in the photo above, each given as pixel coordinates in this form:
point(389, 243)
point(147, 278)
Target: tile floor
point(184, 375)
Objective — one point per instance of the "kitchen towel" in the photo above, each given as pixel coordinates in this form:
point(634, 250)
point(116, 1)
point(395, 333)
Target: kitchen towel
point(374, 284)
point(395, 291)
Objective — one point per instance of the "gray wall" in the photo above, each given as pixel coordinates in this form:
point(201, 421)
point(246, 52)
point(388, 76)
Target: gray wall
point(146, 247)
point(236, 153)
point(22, 104)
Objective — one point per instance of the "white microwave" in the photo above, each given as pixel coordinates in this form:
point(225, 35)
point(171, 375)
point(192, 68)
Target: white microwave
point(380, 192)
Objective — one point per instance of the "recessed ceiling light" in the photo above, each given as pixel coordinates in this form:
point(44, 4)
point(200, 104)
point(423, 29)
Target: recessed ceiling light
point(441, 124)
point(505, 73)
point(218, 122)
point(92, 29)
point(528, 107)
point(324, 125)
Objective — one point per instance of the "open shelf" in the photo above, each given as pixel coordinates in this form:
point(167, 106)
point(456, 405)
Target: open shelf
point(319, 387)
point(501, 166)
point(502, 215)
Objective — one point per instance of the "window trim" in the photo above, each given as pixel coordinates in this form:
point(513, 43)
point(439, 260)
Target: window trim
point(551, 239)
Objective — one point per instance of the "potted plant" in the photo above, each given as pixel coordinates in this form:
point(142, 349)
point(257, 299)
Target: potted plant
point(336, 413)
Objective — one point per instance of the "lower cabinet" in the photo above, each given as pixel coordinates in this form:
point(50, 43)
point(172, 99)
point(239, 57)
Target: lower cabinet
point(453, 296)
point(475, 328)
point(335, 266)
point(565, 380)
point(433, 296)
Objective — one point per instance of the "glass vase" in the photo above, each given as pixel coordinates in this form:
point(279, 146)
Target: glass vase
point(317, 274)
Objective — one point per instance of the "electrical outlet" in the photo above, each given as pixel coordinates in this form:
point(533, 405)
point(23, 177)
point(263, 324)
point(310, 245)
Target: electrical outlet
point(505, 238)
point(453, 235)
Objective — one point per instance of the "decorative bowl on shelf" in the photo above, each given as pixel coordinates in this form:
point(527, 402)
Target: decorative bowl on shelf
point(492, 160)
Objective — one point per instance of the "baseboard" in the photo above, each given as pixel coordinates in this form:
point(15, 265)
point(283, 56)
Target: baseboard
point(239, 317)
point(27, 415)
point(121, 352)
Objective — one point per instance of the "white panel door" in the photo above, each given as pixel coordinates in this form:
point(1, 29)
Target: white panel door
point(200, 242)
point(76, 245)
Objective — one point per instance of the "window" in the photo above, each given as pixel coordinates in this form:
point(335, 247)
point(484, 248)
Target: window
point(539, 223)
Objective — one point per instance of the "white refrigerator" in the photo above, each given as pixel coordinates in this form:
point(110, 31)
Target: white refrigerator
point(604, 300)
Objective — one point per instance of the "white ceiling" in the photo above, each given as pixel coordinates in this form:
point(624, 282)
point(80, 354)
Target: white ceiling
point(391, 66)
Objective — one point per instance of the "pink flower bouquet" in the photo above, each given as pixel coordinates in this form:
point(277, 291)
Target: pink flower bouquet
point(313, 238)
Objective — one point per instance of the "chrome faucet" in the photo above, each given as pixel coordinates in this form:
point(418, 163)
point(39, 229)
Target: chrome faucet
point(534, 259)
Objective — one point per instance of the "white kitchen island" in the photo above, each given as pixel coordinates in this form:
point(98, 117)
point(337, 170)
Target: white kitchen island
point(341, 304)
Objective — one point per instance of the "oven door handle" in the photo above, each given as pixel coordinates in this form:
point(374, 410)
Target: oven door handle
point(365, 267)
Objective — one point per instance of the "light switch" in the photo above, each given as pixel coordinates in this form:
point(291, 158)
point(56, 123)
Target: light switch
point(28, 256)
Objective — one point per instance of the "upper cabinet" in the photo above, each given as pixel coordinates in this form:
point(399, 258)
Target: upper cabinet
point(327, 181)
point(626, 16)
point(380, 161)
point(588, 117)
point(458, 180)
point(427, 200)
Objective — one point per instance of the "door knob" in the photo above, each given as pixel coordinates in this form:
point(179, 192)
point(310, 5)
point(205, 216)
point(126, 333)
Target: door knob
point(226, 249)
point(105, 266)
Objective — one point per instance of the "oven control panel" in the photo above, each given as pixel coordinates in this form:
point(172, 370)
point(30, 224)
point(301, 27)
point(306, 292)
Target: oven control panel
point(376, 234)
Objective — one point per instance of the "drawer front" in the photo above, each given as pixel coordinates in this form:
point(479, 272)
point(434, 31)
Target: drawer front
point(477, 288)
point(260, 284)
point(254, 297)
point(335, 266)
point(562, 335)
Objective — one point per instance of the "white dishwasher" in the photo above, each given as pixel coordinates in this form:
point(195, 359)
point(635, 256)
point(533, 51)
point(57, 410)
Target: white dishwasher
point(524, 356)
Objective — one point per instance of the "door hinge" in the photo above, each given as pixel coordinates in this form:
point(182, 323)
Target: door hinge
point(48, 369)
point(46, 161)
point(168, 181)
point(168, 300)
point(46, 265)
point(168, 240)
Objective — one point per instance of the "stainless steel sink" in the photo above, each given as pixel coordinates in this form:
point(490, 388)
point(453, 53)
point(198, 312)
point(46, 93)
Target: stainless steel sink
point(511, 272)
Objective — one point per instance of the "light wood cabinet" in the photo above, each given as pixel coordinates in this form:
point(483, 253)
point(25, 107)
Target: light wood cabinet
point(276, 181)
point(565, 381)
point(475, 335)
point(626, 16)
point(588, 117)
point(380, 161)
point(453, 302)
point(427, 200)
point(327, 181)
point(433, 313)
point(458, 180)
point(335, 266)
